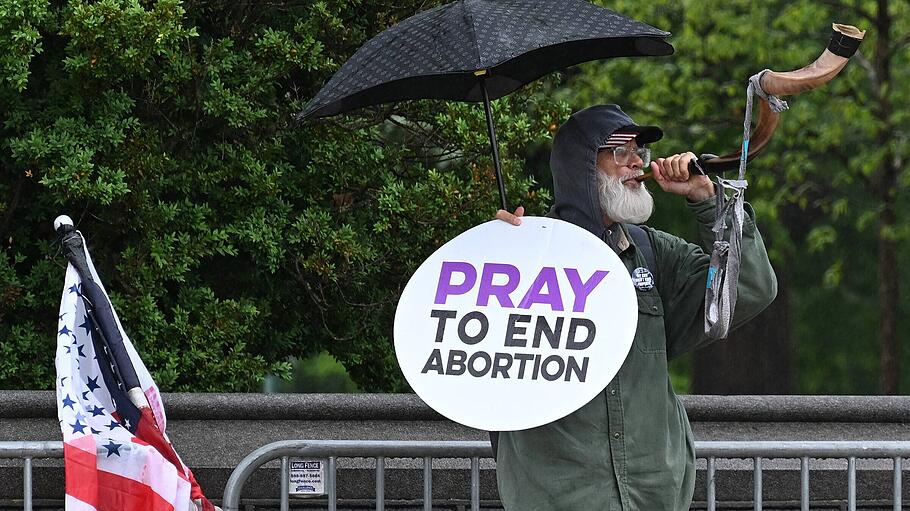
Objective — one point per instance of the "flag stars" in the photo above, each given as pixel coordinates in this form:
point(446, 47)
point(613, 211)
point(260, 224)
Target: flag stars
point(85, 395)
point(64, 331)
point(68, 402)
point(79, 349)
point(112, 448)
point(126, 423)
point(74, 289)
point(96, 411)
point(78, 427)
point(61, 380)
point(87, 325)
point(114, 424)
point(92, 383)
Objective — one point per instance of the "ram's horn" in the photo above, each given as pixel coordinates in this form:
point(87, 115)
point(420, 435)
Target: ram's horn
point(844, 42)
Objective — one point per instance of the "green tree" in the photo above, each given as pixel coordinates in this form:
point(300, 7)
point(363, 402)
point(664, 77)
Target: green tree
point(827, 190)
point(230, 237)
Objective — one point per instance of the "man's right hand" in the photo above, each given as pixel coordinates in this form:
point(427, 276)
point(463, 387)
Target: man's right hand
point(514, 219)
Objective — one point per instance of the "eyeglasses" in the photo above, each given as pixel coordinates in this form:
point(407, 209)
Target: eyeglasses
point(622, 155)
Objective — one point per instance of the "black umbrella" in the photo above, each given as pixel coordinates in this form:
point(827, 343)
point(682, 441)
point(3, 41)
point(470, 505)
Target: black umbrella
point(479, 50)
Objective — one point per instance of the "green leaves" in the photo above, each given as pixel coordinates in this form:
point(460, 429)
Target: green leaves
point(232, 237)
point(77, 156)
point(121, 39)
point(20, 39)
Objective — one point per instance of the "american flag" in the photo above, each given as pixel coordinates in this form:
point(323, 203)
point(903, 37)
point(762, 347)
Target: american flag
point(116, 453)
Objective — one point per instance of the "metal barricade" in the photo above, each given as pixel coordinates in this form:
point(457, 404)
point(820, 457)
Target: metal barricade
point(711, 451)
point(27, 451)
point(708, 450)
point(380, 450)
point(803, 451)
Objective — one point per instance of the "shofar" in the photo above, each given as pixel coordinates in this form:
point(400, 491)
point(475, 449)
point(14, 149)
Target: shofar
point(844, 42)
point(723, 272)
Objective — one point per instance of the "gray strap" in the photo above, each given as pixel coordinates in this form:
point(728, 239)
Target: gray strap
point(723, 272)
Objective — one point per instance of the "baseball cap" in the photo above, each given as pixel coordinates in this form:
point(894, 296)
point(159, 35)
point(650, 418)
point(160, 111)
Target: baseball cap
point(641, 134)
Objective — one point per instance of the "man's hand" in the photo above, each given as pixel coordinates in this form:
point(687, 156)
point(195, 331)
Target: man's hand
point(514, 219)
point(672, 175)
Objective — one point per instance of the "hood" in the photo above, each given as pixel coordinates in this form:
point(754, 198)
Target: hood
point(573, 163)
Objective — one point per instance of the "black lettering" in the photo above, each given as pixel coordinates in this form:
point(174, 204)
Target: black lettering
point(482, 355)
point(512, 330)
point(456, 363)
point(443, 317)
point(434, 363)
point(571, 343)
point(498, 367)
point(580, 372)
point(462, 327)
point(559, 362)
point(522, 359)
point(542, 328)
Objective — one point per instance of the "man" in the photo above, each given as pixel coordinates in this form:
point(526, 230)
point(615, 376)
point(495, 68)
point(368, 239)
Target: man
point(631, 447)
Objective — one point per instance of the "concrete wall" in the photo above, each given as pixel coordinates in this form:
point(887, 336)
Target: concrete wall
point(213, 432)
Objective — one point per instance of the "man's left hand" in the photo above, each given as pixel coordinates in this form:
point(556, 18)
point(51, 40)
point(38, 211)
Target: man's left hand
point(672, 175)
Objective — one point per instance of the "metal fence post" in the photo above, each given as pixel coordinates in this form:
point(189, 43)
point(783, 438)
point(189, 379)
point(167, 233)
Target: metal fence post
point(804, 484)
point(380, 483)
point(427, 483)
point(27, 484)
point(897, 483)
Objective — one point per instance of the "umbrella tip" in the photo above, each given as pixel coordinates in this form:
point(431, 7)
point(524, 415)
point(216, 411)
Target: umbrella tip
point(62, 221)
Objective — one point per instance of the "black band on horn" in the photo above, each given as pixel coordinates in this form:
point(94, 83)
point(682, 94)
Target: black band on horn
point(843, 45)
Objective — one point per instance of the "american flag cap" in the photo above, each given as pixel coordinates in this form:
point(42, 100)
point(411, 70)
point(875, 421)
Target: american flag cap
point(641, 134)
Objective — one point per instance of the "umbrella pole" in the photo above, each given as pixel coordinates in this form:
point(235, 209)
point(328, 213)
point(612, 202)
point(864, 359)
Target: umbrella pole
point(493, 145)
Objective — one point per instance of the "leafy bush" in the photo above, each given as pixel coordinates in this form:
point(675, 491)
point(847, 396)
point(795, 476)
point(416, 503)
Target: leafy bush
point(230, 236)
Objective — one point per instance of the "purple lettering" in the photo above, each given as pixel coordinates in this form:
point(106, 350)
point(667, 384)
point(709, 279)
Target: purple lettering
point(546, 277)
point(446, 288)
point(583, 289)
point(500, 291)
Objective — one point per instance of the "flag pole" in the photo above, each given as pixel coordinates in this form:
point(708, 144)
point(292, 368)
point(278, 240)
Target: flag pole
point(98, 307)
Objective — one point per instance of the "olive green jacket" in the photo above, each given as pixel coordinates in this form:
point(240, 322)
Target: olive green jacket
point(631, 447)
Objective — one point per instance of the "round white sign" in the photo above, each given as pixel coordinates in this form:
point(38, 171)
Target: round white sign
point(511, 327)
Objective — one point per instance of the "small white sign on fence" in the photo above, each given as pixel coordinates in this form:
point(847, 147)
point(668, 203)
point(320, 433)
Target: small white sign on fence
point(307, 477)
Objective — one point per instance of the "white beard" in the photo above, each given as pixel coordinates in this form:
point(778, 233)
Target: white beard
point(623, 204)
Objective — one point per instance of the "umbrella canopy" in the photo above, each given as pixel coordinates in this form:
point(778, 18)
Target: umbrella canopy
point(436, 54)
point(478, 50)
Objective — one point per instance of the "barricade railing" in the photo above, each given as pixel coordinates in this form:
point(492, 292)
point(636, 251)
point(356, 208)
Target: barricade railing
point(331, 450)
point(708, 450)
point(27, 451)
point(803, 451)
point(378, 449)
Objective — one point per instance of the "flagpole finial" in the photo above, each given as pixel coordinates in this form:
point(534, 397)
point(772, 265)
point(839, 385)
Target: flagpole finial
point(61, 221)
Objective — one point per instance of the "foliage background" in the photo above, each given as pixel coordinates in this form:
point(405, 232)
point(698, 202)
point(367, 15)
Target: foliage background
point(233, 238)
